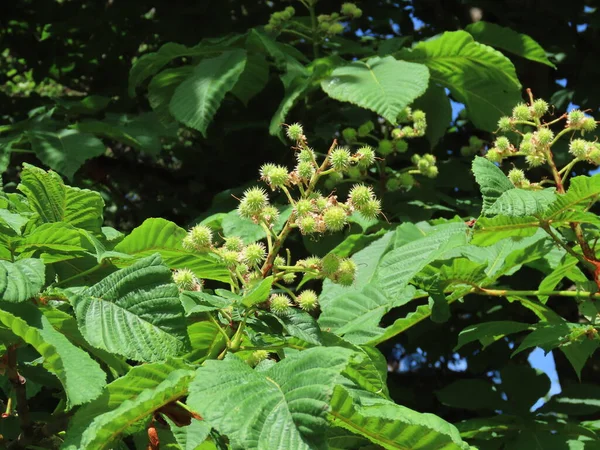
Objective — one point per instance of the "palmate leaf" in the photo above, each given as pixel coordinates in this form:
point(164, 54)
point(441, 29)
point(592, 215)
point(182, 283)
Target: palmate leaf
point(66, 150)
point(197, 99)
point(126, 401)
point(21, 280)
point(54, 202)
point(134, 312)
point(509, 40)
point(161, 236)
point(81, 377)
point(390, 425)
point(383, 85)
point(477, 75)
point(282, 407)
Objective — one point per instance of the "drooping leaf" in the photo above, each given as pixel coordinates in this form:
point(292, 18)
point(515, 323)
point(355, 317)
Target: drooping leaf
point(523, 386)
point(492, 181)
point(509, 40)
point(567, 268)
point(55, 202)
point(296, 83)
point(161, 236)
point(81, 376)
point(259, 293)
point(92, 104)
point(12, 220)
point(197, 99)
point(21, 280)
point(161, 89)
point(52, 240)
point(477, 75)
point(471, 394)
point(134, 312)
point(207, 342)
point(390, 425)
point(489, 332)
point(253, 79)
point(66, 150)
point(126, 401)
point(421, 313)
point(383, 85)
point(284, 406)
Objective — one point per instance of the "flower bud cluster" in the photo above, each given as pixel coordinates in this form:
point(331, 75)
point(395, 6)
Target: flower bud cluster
point(426, 164)
point(331, 24)
point(585, 150)
point(335, 268)
point(418, 128)
point(474, 147)
point(279, 19)
point(577, 120)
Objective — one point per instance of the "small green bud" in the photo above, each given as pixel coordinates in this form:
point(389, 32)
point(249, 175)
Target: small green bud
point(373, 207)
point(516, 177)
point(306, 155)
point(521, 112)
point(535, 159)
point(308, 224)
point(385, 147)
point(303, 207)
point(366, 157)
point(305, 170)
point(199, 238)
point(254, 253)
point(415, 159)
point(502, 143)
point(588, 124)
point(340, 159)
point(467, 151)
point(505, 123)
point(527, 147)
point(475, 142)
point(295, 132)
point(393, 184)
point(335, 28)
point(351, 10)
point(289, 278)
point(307, 300)
point(494, 155)
point(401, 146)
point(579, 148)
point(280, 304)
point(544, 136)
point(330, 264)
point(432, 172)
point(320, 202)
point(575, 119)
point(355, 172)
point(186, 280)
point(406, 179)
point(408, 132)
point(429, 158)
point(397, 134)
point(418, 115)
point(335, 218)
point(360, 195)
point(365, 128)
point(423, 165)
point(290, 11)
point(346, 273)
point(540, 107)
point(234, 243)
point(349, 134)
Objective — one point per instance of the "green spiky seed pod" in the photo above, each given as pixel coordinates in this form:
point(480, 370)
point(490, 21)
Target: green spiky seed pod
point(335, 28)
point(423, 165)
point(279, 261)
point(535, 159)
point(527, 147)
point(254, 253)
point(521, 112)
point(373, 207)
point(258, 356)
point(305, 170)
point(385, 147)
point(278, 177)
point(418, 115)
point(579, 148)
point(330, 264)
point(280, 304)
point(401, 146)
point(366, 128)
point(539, 107)
point(253, 202)
point(320, 202)
point(295, 132)
point(408, 132)
point(234, 243)
point(306, 155)
point(185, 280)
point(544, 136)
point(588, 124)
point(405, 115)
point(269, 214)
point(303, 207)
point(517, 177)
point(505, 123)
point(289, 278)
point(494, 155)
point(502, 143)
point(308, 224)
point(308, 300)
point(594, 155)
point(575, 119)
point(360, 195)
point(199, 238)
point(430, 158)
point(340, 159)
point(335, 218)
point(432, 172)
point(346, 273)
point(266, 170)
point(366, 157)
point(397, 134)
point(230, 258)
point(406, 180)
point(349, 134)
point(312, 262)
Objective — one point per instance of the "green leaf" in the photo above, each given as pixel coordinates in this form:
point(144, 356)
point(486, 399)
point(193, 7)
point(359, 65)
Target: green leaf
point(489, 231)
point(126, 401)
point(521, 203)
point(566, 268)
point(81, 376)
point(295, 82)
point(197, 99)
point(190, 436)
point(234, 225)
point(301, 325)
point(253, 79)
point(390, 425)
point(207, 342)
point(54, 202)
point(14, 221)
point(284, 406)
point(56, 238)
point(92, 104)
point(401, 325)
point(436, 105)
point(383, 85)
point(477, 75)
point(523, 386)
point(583, 192)
point(66, 150)
point(162, 87)
point(492, 182)
point(509, 40)
point(259, 293)
point(471, 394)
point(21, 280)
point(134, 312)
point(161, 236)
point(489, 332)
point(575, 399)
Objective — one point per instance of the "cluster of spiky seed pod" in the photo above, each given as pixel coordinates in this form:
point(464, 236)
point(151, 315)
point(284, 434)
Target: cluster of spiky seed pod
point(328, 24)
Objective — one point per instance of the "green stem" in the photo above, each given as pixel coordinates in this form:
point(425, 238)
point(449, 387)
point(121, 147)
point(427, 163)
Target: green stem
point(313, 23)
point(559, 135)
point(213, 320)
point(286, 290)
point(296, 33)
point(535, 293)
point(269, 240)
point(546, 227)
